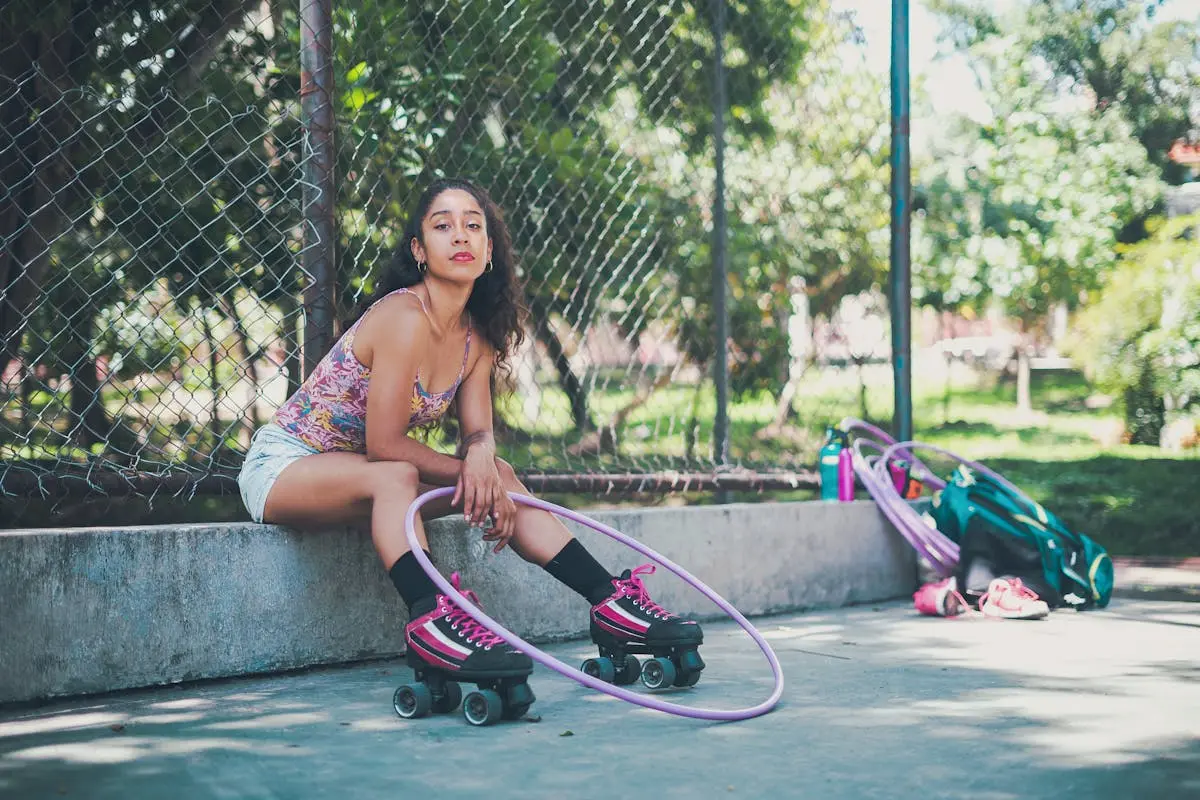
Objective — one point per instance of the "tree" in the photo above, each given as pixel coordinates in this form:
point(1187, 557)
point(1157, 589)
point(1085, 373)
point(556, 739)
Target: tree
point(1140, 338)
point(1114, 50)
point(807, 206)
point(74, 60)
point(1027, 208)
point(532, 103)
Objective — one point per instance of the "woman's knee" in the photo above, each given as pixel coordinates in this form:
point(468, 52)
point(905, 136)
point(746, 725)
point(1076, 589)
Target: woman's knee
point(390, 477)
point(508, 477)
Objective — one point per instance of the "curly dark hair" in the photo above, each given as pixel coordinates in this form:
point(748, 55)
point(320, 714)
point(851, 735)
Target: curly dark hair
point(496, 304)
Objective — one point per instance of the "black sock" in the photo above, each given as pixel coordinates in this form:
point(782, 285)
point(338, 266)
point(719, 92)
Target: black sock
point(576, 568)
point(413, 584)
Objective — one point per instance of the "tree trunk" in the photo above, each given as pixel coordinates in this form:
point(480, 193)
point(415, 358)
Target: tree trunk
point(246, 365)
point(41, 126)
point(605, 439)
point(26, 389)
point(35, 119)
point(567, 379)
point(862, 388)
point(783, 405)
point(692, 433)
point(1145, 410)
point(1024, 395)
point(800, 348)
point(214, 386)
point(947, 334)
point(290, 326)
point(89, 420)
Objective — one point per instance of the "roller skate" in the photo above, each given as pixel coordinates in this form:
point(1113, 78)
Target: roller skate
point(629, 622)
point(446, 647)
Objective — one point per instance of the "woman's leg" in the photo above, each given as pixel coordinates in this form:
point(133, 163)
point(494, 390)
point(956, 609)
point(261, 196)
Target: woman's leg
point(345, 488)
point(541, 538)
point(539, 535)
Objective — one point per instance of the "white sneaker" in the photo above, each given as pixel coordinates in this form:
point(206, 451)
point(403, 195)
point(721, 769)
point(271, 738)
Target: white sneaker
point(1011, 599)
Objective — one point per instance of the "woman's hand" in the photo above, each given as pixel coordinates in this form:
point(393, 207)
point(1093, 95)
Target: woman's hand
point(481, 490)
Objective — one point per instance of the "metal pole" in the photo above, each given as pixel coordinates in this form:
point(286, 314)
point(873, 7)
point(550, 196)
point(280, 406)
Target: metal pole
point(316, 117)
point(720, 277)
point(900, 279)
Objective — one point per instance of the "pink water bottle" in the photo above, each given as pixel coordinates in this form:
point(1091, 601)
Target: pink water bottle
point(899, 473)
point(845, 476)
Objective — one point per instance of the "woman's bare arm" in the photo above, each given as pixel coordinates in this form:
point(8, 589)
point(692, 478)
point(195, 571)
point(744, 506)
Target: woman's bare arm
point(400, 335)
point(475, 402)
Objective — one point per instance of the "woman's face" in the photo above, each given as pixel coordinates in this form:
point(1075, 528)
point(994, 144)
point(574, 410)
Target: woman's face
point(456, 246)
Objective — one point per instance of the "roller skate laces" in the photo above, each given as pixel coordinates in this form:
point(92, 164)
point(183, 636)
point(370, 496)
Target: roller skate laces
point(628, 622)
point(629, 613)
point(446, 648)
point(941, 599)
point(1011, 599)
point(450, 638)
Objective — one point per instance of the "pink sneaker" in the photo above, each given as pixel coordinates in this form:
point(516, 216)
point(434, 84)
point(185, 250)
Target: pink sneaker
point(1011, 599)
point(940, 599)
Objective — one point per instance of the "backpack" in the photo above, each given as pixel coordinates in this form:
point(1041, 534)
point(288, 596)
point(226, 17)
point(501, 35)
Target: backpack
point(1013, 535)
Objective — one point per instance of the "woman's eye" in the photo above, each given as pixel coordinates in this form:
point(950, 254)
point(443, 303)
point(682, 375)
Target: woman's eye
point(443, 226)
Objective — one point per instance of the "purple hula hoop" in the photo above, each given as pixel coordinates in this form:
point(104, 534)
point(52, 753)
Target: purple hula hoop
point(571, 672)
point(938, 550)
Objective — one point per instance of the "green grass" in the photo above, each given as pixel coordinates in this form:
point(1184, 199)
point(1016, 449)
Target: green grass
point(1132, 503)
point(1135, 500)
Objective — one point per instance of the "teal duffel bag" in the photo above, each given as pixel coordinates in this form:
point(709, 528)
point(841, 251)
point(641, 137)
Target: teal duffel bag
point(1018, 537)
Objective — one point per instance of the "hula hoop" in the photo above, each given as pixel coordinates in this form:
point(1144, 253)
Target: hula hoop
point(571, 672)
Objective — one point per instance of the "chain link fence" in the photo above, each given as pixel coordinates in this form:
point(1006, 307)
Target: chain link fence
point(186, 203)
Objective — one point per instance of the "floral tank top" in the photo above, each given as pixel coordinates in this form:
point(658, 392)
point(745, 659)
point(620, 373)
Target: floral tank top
point(329, 410)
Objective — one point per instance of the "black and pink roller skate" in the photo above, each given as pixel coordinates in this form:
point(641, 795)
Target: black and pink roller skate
point(629, 622)
point(447, 647)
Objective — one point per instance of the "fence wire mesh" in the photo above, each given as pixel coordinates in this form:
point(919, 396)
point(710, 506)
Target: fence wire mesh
point(592, 125)
point(154, 161)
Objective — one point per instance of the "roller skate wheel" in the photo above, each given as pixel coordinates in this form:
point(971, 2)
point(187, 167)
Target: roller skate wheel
point(450, 698)
point(483, 707)
point(658, 673)
point(413, 700)
point(629, 671)
point(687, 678)
point(517, 700)
point(690, 661)
point(602, 668)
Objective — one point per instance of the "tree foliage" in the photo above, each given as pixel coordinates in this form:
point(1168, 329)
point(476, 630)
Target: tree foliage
point(1028, 206)
point(1141, 336)
point(1117, 51)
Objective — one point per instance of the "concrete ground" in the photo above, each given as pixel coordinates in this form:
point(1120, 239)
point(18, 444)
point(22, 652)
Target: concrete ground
point(879, 702)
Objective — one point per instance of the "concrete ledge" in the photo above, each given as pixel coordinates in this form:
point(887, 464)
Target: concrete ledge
point(92, 609)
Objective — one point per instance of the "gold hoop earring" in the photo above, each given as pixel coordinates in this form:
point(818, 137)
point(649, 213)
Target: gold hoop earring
point(422, 267)
point(488, 268)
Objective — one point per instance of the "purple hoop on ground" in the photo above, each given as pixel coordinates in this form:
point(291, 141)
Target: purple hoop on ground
point(571, 672)
point(941, 553)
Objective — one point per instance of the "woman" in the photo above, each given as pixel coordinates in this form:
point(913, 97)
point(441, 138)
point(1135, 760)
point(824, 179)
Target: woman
point(449, 316)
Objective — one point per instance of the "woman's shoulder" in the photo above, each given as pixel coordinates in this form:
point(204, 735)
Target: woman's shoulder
point(398, 317)
point(481, 350)
point(400, 308)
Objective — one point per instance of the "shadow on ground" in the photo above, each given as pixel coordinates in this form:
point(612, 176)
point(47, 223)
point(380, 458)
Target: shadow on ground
point(878, 703)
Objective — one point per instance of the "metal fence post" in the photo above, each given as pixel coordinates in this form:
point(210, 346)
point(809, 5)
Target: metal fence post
point(720, 277)
point(316, 109)
point(900, 279)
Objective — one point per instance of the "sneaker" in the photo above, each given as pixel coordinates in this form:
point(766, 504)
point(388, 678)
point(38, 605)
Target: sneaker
point(629, 616)
point(447, 637)
point(1011, 599)
point(940, 599)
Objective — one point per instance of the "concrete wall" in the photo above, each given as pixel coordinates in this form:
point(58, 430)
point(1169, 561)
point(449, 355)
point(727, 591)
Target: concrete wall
point(93, 609)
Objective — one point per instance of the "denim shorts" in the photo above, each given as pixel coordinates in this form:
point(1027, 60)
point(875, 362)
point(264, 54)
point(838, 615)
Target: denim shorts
point(271, 449)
